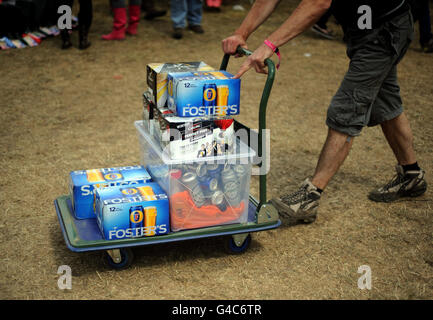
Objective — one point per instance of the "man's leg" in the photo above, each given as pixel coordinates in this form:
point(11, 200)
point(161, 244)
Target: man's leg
point(332, 156)
point(399, 136)
point(85, 17)
point(148, 6)
point(426, 36)
point(409, 180)
point(194, 16)
point(178, 10)
point(321, 27)
point(119, 21)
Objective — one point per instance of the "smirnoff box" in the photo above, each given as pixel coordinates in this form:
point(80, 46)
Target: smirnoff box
point(186, 138)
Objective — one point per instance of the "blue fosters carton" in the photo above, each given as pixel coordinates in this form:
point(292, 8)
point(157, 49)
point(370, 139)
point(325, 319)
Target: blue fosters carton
point(132, 211)
point(192, 94)
point(83, 183)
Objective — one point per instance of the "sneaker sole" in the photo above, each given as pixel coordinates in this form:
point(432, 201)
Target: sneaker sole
point(322, 34)
point(284, 210)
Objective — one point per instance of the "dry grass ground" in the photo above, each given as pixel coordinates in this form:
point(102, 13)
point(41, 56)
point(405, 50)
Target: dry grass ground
point(69, 110)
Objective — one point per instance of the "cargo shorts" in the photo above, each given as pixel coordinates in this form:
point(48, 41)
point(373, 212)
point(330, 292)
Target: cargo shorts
point(369, 93)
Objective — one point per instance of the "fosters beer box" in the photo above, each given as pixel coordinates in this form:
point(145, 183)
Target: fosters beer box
point(83, 183)
point(132, 211)
point(195, 94)
point(157, 77)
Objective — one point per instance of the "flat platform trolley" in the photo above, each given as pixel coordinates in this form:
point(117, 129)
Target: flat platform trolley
point(84, 235)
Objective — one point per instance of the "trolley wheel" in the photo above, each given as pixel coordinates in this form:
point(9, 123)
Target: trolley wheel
point(119, 260)
point(233, 246)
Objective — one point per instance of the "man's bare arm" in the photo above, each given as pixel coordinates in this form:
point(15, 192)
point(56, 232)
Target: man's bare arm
point(304, 16)
point(258, 13)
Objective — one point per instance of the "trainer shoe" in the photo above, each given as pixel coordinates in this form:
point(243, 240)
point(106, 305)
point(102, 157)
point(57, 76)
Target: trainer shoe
point(404, 184)
point(300, 205)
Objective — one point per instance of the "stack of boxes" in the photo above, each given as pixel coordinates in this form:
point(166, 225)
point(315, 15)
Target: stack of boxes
point(123, 200)
point(192, 173)
point(188, 144)
point(189, 109)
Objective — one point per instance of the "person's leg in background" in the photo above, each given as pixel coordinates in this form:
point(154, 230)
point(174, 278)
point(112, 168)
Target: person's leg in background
point(64, 33)
point(11, 21)
point(426, 36)
point(178, 10)
point(39, 13)
point(119, 21)
point(321, 27)
point(85, 17)
point(148, 6)
point(134, 16)
point(49, 14)
point(194, 15)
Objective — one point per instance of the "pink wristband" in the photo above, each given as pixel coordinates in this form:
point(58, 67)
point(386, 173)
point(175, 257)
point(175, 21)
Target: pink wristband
point(275, 50)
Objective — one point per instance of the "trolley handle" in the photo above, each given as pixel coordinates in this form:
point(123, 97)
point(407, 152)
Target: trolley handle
point(262, 113)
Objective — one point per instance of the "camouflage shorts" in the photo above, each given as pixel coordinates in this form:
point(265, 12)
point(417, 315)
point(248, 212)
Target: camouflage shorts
point(369, 93)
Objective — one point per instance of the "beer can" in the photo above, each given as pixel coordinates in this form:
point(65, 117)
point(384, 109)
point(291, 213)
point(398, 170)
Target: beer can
point(209, 94)
point(209, 183)
point(136, 217)
point(198, 196)
point(217, 199)
point(228, 175)
point(231, 186)
point(242, 175)
point(233, 198)
point(201, 171)
point(189, 179)
point(240, 170)
point(213, 169)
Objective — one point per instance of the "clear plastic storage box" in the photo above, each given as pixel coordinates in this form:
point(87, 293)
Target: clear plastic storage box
point(203, 192)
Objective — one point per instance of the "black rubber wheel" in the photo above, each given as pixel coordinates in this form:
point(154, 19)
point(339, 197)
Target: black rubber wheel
point(127, 257)
point(232, 248)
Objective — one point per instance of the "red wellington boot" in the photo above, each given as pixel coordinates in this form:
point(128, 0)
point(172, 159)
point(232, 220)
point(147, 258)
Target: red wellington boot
point(134, 18)
point(119, 25)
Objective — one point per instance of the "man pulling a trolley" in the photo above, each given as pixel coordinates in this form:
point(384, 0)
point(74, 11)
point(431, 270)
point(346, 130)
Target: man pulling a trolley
point(378, 34)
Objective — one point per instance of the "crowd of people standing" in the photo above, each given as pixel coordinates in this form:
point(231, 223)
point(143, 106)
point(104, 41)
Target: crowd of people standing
point(18, 15)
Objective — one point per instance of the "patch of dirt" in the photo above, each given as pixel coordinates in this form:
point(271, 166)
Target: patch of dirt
point(70, 110)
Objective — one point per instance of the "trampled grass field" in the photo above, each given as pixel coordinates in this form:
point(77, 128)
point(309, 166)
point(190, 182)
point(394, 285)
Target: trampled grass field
point(71, 110)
